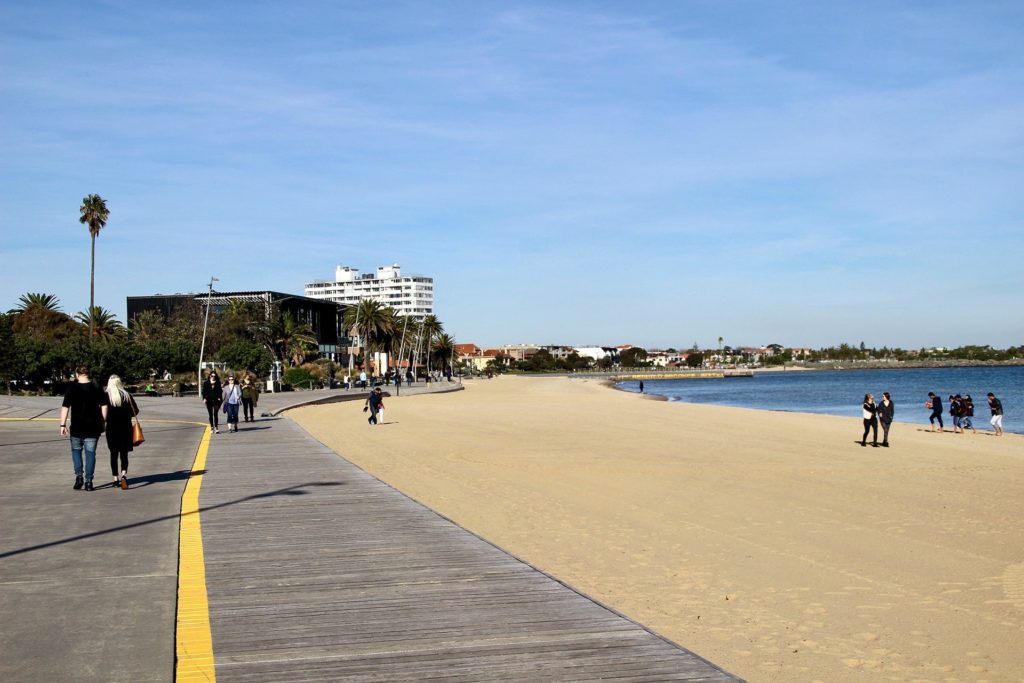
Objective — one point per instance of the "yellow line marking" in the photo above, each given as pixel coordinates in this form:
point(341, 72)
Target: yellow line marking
point(193, 641)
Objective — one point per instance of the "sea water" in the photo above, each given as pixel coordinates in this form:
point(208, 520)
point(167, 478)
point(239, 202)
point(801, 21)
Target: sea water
point(841, 392)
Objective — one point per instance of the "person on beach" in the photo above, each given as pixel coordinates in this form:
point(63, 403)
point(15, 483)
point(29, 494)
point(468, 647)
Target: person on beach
point(250, 397)
point(373, 402)
point(213, 396)
point(934, 404)
point(996, 406)
point(232, 400)
point(967, 421)
point(398, 382)
point(380, 405)
point(954, 412)
point(87, 405)
point(886, 413)
point(870, 414)
point(641, 386)
point(122, 408)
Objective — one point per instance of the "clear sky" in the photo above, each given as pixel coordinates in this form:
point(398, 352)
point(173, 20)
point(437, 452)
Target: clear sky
point(656, 173)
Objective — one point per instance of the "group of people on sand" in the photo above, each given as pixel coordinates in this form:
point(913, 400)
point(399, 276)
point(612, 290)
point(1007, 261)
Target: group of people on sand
point(961, 409)
point(93, 411)
point(229, 397)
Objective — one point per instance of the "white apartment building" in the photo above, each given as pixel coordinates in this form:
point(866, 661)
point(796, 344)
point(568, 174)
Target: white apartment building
point(409, 295)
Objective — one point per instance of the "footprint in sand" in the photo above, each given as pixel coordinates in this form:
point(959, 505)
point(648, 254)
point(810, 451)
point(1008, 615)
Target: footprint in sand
point(1013, 584)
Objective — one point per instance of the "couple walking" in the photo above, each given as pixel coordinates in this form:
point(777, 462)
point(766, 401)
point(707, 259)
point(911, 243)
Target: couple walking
point(873, 414)
point(93, 411)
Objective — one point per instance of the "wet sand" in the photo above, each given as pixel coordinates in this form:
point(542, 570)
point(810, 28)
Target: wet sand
point(772, 544)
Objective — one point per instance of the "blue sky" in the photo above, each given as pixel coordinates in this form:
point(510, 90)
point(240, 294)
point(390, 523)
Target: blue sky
point(656, 173)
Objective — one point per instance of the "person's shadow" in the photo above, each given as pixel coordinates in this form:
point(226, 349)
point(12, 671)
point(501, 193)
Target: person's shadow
point(160, 478)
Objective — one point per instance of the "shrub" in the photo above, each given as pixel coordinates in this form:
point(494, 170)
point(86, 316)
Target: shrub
point(298, 377)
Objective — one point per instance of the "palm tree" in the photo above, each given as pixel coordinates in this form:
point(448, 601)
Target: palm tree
point(371, 322)
point(94, 214)
point(39, 316)
point(444, 350)
point(295, 339)
point(430, 328)
point(101, 322)
point(37, 301)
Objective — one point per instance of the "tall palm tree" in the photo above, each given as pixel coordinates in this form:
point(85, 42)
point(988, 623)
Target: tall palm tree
point(430, 328)
point(94, 214)
point(101, 322)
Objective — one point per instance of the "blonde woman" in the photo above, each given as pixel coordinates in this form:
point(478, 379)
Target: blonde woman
point(120, 412)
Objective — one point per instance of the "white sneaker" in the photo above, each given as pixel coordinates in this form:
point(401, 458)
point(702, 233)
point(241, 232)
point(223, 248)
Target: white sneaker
point(216, 431)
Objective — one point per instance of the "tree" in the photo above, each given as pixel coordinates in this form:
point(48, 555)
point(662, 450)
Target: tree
point(444, 350)
point(94, 214)
point(37, 301)
point(694, 360)
point(295, 340)
point(633, 357)
point(101, 322)
point(430, 328)
point(372, 323)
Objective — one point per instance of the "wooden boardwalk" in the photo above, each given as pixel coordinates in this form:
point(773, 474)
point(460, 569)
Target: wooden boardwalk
point(317, 571)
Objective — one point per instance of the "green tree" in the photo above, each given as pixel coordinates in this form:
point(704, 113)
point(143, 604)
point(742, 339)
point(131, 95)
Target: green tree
point(634, 357)
point(295, 339)
point(694, 360)
point(94, 214)
point(8, 363)
point(101, 322)
point(248, 354)
point(444, 350)
point(372, 323)
point(37, 300)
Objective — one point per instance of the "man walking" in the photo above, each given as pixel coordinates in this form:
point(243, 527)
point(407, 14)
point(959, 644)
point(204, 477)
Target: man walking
point(996, 406)
point(935, 405)
point(87, 405)
point(373, 401)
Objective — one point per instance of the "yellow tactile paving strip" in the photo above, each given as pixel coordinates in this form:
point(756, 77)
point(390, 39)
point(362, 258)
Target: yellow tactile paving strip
point(193, 642)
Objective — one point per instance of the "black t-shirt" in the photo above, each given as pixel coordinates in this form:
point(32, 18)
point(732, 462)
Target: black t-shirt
point(84, 400)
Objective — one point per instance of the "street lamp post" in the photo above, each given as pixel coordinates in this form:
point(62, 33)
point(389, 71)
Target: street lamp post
point(206, 320)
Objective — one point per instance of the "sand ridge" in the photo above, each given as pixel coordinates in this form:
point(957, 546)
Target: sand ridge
point(769, 543)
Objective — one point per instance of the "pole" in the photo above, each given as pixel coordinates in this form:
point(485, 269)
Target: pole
point(202, 346)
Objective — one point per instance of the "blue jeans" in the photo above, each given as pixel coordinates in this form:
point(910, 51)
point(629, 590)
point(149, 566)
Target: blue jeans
point(89, 444)
point(232, 413)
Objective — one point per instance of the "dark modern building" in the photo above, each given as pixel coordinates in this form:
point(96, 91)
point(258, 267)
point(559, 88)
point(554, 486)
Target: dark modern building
point(324, 317)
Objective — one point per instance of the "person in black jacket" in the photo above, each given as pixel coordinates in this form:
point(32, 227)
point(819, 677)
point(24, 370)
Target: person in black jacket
point(997, 413)
point(213, 396)
point(935, 405)
point(886, 412)
point(870, 420)
point(120, 412)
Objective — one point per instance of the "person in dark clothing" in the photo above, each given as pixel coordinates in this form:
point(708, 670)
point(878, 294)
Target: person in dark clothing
point(934, 403)
point(641, 386)
point(87, 405)
point(398, 382)
point(870, 412)
point(250, 397)
point(119, 429)
point(955, 412)
point(374, 402)
point(213, 396)
point(996, 406)
point(967, 422)
point(886, 413)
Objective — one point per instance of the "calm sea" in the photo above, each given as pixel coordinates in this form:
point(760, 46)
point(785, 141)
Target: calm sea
point(841, 392)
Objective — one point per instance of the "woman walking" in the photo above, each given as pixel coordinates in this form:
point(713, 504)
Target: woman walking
point(955, 409)
point(213, 396)
point(886, 413)
point(870, 414)
point(250, 397)
point(122, 408)
point(232, 399)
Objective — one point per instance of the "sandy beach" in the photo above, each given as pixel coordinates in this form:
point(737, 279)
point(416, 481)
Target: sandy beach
point(770, 543)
